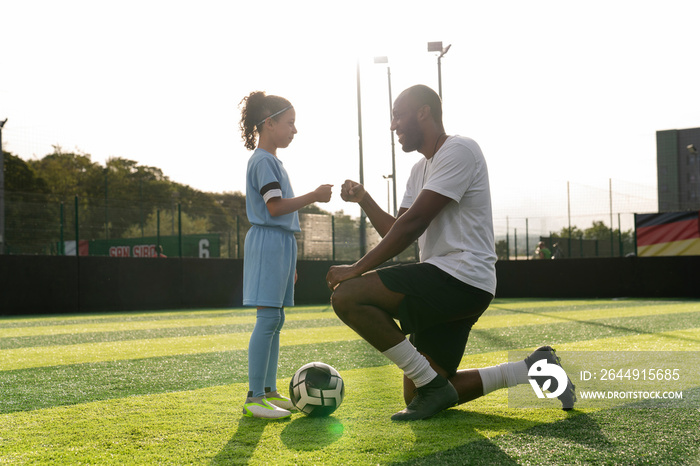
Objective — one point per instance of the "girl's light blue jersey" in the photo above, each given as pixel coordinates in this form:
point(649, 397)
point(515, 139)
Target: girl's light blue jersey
point(266, 178)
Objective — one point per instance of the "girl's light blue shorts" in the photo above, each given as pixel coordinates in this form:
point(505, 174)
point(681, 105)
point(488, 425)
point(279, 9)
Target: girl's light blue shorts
point(269, 264)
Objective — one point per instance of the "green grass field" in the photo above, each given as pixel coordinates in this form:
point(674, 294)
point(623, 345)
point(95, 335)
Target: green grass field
point(168, 387)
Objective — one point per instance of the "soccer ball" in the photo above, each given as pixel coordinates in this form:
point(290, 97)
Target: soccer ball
point(316, 389)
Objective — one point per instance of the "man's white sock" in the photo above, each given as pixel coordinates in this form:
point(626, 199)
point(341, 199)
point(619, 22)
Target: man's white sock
point(503, 375)
point(414, 365)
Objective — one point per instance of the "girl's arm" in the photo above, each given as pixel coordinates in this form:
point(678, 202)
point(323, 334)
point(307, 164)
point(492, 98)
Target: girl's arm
point(280, 206)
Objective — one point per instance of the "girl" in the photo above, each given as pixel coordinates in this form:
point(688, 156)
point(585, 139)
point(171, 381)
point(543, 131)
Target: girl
point(269, 261)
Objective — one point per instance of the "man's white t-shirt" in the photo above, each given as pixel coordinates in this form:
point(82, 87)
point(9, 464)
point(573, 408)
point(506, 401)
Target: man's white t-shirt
point(460, 239)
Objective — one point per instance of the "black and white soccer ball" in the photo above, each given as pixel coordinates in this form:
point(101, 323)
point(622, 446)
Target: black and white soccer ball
point(316, 389)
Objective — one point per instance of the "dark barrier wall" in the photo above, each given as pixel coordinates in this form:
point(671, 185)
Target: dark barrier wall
point(38, 284)
point(54, 284)
point(108, 284)
point(600, 278)
point(51, 284)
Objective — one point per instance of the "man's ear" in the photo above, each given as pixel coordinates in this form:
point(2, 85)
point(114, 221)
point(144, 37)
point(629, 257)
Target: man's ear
point(424, 113)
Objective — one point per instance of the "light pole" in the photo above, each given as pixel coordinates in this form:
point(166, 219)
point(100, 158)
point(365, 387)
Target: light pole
point(388, 199)
point(2, 192)
point(437, 47)
point(363, 220)
point(393, 145)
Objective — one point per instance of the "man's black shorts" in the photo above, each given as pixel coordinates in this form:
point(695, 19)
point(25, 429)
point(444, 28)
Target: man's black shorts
point(438, 310)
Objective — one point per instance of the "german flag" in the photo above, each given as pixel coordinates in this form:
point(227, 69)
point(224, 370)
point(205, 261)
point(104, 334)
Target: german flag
point(668, 234)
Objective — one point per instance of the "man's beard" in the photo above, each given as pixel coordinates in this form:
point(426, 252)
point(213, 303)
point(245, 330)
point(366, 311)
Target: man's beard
point(412, 138)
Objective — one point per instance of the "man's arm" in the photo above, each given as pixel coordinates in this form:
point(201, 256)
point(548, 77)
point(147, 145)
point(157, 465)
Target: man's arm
point(404, 231)
point(381, 220)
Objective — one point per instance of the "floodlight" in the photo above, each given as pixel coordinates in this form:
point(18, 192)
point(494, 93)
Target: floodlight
point(435, 46)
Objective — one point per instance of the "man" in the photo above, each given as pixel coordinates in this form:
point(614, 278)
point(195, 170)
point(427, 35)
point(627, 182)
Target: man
point(557, 253)
point(447, 207)
point(542, 252)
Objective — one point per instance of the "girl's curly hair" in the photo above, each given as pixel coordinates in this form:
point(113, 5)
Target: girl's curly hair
point(255, 108)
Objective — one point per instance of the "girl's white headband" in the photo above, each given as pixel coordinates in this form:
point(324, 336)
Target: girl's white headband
point(274, 114)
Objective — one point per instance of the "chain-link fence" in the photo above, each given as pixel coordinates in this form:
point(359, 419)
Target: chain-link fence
point(38, 224)
point(590, 222)
point(582, 220)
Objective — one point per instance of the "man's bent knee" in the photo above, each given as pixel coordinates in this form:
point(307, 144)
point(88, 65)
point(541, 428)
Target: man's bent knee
point(367, 290)
point(343, 299)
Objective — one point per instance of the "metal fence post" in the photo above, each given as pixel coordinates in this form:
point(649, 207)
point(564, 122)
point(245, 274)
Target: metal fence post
point(158, 231)
point(106, 203)
point(527, 240)
point(77, 229)
point(333, 236)
point(61, 244)
point(619, 236)
point(238, 237)
point(179, 229)
point(507, 245)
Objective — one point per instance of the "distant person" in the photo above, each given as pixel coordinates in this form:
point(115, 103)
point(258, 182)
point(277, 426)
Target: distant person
point(447, 208)
point(558, 253)
point(269, 262)
point(542, 252)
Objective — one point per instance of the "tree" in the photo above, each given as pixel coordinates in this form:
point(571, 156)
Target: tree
point(67, 174)
point(31, 223)
point(231, 203)
point(598, 231)
point(204, 205)
point(565, 233)
point(20, 177)
point(130, 192)
point(119, 200)
point(116, 199)
point(189, 224)
point(622, 242)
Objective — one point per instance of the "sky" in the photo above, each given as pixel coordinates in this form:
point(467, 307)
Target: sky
point(556, 93)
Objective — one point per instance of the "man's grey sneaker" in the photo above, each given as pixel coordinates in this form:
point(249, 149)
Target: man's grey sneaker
point(430, 399)
point(568, 398)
